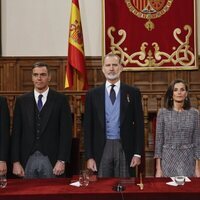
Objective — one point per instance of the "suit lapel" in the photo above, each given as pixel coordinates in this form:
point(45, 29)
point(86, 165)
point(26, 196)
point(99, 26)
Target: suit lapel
point(30, 106)
point(100, 99)
point(124, 101)
point(47, 109)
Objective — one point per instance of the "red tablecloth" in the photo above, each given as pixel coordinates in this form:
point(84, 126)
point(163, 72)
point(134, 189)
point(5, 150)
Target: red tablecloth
point(49, 189)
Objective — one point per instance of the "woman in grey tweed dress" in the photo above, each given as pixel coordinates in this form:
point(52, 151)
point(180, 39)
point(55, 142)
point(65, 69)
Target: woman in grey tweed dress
point(177, 144)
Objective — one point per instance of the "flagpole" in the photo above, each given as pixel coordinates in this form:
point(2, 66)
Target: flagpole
point(75, 121)
point(75, 103)
point(76, 77)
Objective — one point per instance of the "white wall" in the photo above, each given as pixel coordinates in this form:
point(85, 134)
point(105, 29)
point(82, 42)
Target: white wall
point(34, 27)
point(41, 27)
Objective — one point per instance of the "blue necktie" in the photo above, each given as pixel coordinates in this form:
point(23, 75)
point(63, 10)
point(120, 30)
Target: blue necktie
point(40, 104)
point(112, 94)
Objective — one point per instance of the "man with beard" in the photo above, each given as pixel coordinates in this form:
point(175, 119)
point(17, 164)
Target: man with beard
point(113, 124)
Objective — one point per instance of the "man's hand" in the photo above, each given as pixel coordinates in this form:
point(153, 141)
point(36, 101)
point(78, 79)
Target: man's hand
point(91, 164)
point(18, 169)
point(135, 161)
point(3, 168)
point(59, 168)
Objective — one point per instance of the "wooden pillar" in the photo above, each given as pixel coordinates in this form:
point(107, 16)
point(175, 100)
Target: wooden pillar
point(146, 121)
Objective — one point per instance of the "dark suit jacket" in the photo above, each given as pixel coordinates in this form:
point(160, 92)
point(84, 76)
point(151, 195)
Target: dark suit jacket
point(4, 129)
point(56, 128)
point(131, 123)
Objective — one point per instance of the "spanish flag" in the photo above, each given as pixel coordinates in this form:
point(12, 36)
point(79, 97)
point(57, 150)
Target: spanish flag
point(76, 57)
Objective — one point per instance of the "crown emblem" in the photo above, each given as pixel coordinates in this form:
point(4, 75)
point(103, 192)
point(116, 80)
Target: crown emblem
point(149, 9)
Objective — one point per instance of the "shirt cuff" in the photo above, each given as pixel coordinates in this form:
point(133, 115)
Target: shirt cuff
point(137, 155)
point(63, 162)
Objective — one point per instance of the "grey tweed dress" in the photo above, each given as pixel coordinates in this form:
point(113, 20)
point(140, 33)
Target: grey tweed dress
point(177, 141)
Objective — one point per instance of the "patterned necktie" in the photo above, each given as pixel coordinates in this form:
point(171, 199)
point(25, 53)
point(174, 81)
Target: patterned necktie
point(112, 94)
point(40, 104)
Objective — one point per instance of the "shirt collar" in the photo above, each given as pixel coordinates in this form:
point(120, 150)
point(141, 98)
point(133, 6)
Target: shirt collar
point(45, 93)
point(116, 88)
point(117, 84)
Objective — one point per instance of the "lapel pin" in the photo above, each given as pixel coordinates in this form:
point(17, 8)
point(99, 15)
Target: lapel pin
point(128, 99)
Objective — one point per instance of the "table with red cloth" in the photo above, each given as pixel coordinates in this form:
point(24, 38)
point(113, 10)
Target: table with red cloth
point(59, 189)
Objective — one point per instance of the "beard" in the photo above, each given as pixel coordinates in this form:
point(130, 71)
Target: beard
point(112, 76)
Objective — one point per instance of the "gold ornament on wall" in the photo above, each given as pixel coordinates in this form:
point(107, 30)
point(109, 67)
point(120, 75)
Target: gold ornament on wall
point(149, 9)
point(155, 57)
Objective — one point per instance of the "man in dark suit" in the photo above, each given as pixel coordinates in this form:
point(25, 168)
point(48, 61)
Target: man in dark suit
point(4, 134)
point(42, 129)
point(113, 124)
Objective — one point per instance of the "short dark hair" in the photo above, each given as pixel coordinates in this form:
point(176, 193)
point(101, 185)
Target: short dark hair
point(168, 98)
point(41, 64)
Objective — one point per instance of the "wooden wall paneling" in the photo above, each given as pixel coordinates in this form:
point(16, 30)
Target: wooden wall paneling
point(159, 80)
point(146, 122)
point(7, 75)
point(92, 77)
point(180, 74)
point(99, 77)
point(56, 78)
point(57, 67)
point(193, 80)
point(198, 102)
point(24, 71)
point(25, 78)
point(18, 69)
point(94, 71)
point(15, 75)
point(141, 79)
point(62, 73)
point(127, 77)
point(12, 79)
point(23, 75)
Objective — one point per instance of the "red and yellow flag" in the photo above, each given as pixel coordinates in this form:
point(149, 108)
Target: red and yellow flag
point(76, 59)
